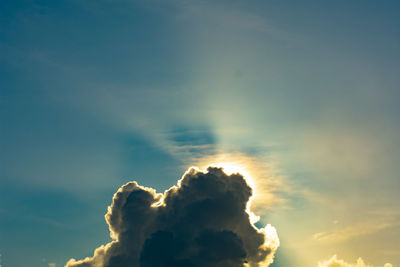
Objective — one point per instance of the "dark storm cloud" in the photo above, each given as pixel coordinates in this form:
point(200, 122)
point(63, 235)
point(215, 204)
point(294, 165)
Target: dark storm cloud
point(201, 222)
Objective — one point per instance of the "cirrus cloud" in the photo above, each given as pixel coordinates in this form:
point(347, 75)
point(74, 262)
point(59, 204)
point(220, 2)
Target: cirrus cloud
point(335, 262)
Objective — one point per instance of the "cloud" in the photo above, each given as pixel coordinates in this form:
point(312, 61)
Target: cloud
point(367, 227)
point(335, 262)
point(200, 222)
point(261, 174)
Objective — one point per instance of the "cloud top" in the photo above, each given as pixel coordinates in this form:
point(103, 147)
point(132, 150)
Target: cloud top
point(200, 222)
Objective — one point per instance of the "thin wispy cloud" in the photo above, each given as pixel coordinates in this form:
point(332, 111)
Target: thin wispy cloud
point(355, 230)
point(335, 262)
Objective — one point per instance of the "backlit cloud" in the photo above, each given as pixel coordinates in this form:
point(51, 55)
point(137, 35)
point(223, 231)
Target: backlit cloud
point(203, 221)
point(261, 174)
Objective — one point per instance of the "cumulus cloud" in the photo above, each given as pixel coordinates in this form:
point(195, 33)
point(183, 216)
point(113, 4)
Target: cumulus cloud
point(202, 221)
point(335, 262)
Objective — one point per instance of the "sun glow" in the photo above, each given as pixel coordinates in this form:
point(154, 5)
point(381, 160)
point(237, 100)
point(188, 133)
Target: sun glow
point(233, 168)
point(259, 173)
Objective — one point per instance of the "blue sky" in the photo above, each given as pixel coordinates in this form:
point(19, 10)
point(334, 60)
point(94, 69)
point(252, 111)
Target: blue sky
point(98, 93)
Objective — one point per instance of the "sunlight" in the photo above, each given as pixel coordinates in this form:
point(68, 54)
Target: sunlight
point(259, 173)
point(233, 168)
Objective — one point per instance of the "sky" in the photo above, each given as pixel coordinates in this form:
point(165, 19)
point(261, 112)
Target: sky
point(302, 97)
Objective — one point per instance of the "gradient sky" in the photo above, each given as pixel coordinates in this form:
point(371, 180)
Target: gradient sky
point(304, 94)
